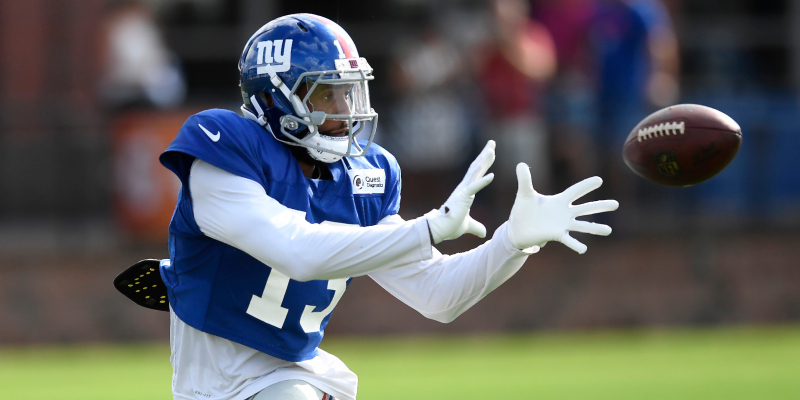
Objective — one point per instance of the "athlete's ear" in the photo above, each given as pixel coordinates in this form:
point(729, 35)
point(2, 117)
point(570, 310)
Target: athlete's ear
point(266, 98)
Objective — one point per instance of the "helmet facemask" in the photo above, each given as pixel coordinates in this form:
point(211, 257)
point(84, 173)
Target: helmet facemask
point(321, 99)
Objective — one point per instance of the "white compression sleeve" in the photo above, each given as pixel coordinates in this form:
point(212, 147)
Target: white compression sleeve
point(237, 211)
point(445, 286)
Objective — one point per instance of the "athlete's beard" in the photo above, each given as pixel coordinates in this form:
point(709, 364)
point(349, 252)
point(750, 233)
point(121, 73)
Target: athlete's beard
point(340, 130)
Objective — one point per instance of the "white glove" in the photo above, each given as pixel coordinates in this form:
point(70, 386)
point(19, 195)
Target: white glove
point(537, 219)
point(452, 219)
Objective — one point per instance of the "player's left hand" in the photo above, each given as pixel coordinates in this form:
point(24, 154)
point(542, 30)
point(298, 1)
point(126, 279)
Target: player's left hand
point(452, 219)
point(537, 219)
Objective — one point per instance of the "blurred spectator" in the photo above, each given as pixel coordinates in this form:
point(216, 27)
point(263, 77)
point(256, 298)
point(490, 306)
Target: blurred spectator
point(568, 22)
point(618, 61)
point(429, 122)
point(663, 88)
point(428, 126)
point(636, 56)
point(571, 98)
point(637, 59)
point(512, 70)
point(140, 70)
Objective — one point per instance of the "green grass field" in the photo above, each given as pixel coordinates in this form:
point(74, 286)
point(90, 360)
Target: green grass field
point(734, 363)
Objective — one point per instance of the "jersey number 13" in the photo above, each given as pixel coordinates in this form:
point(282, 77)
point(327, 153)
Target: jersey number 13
point(268, 307)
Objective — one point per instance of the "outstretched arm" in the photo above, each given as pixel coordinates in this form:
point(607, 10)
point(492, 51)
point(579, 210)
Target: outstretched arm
point(445, 286)
point(237, 211)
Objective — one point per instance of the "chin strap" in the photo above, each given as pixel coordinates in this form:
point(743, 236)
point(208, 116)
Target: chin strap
point(261, 118)
point(309, 152)
point(295, 101)
point(249, 115)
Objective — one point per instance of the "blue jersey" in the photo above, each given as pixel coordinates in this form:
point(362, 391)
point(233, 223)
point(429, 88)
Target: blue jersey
point(620, 43)
point(218, 289)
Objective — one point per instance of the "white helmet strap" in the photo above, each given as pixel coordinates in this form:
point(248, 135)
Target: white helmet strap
point(261, 119)
point(297, 104)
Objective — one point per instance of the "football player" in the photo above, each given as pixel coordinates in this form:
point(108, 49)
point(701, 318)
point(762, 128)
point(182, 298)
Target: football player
point(280, 208)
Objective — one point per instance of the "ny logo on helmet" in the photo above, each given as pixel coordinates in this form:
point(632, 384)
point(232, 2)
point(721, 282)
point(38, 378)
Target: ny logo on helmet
point(280, 61)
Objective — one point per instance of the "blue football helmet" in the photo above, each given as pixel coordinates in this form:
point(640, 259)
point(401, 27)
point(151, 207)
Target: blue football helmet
point(301, 71)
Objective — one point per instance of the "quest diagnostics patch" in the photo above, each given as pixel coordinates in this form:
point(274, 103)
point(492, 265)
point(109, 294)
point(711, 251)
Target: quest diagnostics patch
point(367, 181)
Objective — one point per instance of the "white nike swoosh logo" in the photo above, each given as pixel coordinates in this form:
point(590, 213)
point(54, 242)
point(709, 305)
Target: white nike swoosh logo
point(210, 135)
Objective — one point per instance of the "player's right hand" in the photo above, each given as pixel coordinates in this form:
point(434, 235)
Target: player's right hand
point(537, 219)
point(452, 219)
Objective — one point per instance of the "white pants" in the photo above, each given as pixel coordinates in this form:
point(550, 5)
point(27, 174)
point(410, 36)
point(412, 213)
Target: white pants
point(291, 390)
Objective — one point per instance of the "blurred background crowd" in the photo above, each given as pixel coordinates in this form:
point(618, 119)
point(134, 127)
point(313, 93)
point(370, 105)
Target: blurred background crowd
point(92, 91)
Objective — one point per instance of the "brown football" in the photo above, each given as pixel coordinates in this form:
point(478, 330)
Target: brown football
point(682, 145)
